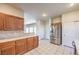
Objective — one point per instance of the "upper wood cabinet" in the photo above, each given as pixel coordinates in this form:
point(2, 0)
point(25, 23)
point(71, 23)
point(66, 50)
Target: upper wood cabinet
point(1, 21)
point(19, 23)
point(8, 22)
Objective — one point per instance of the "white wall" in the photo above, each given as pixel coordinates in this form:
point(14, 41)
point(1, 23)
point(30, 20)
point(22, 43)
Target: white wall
point(43, 29)
point(28, 20)
point(47, 29)
point(8, 9)
point(56, 20)
point(40, 29)
point(70, 28)
point(40, 25)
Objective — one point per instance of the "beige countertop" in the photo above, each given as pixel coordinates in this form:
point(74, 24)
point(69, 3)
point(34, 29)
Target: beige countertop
point(12, 36)
point(13, 39)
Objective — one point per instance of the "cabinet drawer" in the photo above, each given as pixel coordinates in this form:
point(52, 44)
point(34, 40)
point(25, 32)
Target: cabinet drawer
point(21, 41)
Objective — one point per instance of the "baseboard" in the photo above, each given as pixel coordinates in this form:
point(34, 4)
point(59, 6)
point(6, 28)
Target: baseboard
point(68, 46)
point(55, 43)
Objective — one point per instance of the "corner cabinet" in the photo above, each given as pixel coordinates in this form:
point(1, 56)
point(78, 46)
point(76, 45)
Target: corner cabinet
point(19, 46)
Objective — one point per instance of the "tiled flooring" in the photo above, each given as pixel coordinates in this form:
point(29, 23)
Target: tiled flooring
point(46, 48)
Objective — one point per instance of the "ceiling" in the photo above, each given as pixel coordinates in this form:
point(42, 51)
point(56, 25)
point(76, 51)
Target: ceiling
point(35, 10)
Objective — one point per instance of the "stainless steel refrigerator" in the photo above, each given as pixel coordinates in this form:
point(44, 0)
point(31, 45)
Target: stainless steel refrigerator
point(56, 33)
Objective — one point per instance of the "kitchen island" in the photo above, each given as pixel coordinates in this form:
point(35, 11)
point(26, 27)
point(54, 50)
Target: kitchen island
point(16, 43)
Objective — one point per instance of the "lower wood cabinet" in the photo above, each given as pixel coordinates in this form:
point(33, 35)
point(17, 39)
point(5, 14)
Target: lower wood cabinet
point(35, 39)
point(8, 48)
point(20, 46)
point(30, 43)
point(0, 49)
point(26, 45)
point(0, 52)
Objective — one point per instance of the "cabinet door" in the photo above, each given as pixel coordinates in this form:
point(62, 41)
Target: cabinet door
point(0, 52)
point(30, 43)
point(8, 50)
point(9, 23)
point(26, 45)
point(35, 42)
point(20, 46)
point(19, 24)
point(1, 21)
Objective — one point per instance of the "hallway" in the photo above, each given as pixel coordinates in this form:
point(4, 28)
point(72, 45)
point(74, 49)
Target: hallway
point(46, 48)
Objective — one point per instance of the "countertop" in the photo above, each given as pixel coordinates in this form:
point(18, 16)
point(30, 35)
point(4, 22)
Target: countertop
point(12, 36)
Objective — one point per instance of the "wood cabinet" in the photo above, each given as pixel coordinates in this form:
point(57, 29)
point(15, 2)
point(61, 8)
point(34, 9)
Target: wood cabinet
point(20, 46)
point(8, 48)
point(30, 43)
point(0, 49)
point(35, 39)
point(26, 45)
point(1, 21)
point(0, 52)
point(19, 24)
point(9, 22)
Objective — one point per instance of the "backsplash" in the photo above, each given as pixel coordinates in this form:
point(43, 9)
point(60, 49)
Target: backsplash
point(12, 34)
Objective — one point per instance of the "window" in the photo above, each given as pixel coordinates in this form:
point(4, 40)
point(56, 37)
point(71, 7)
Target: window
point(31, 28)
point(27, 30)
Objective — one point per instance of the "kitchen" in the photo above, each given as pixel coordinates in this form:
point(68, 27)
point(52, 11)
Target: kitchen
point(26, 28)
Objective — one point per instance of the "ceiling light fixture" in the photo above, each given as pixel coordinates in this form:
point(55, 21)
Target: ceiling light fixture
point(44, 15)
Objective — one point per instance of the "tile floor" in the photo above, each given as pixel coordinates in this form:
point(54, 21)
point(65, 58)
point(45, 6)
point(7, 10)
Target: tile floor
point(46, 48)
